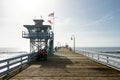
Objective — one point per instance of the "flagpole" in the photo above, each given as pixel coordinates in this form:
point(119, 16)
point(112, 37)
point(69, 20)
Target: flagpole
point(53, 21)
point(52, 24)
point(53, 27)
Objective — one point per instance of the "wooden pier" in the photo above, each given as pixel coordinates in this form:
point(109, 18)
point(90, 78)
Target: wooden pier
point(66, 65)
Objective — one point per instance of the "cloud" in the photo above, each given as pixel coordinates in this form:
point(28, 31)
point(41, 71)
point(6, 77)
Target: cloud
point(63, 21)
point(103, 20)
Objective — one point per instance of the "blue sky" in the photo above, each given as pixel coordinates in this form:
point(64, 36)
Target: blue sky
point(93, 22)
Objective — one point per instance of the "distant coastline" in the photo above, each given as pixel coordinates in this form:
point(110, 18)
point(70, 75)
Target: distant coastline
point(13, 52)
point(112, 52)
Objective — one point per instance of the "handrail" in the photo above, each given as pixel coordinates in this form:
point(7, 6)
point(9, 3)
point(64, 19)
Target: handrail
point(106, 59)
point(26, 34)
point(8, 65)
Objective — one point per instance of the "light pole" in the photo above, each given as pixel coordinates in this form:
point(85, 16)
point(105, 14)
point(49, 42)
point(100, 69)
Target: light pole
point(73, 38)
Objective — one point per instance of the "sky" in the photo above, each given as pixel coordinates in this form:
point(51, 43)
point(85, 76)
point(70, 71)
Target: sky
point(94, 23)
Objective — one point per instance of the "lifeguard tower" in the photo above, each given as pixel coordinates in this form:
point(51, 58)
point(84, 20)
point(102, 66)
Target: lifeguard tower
point(41, 36)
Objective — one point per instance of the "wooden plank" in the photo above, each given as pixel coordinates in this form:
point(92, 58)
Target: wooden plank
point(66, 65)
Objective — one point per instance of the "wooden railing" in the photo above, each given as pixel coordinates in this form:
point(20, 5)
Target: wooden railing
point(8, 65)
point(106, 59)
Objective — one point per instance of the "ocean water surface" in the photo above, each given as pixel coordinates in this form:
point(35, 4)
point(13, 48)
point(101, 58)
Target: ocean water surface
point(103, 50)
point(6, 53)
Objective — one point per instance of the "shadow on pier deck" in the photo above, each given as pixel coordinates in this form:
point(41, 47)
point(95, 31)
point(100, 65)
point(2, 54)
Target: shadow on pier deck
point(66, 65)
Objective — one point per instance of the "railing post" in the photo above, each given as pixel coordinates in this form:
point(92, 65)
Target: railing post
point(21, 61)
point(98, 56)
point(88, 54)
point(107, 59)
point(29, 59)
point(92, 55)
point(8, 67)
point(21, 64)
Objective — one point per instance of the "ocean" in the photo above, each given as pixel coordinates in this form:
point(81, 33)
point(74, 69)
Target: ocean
point(103, 50)
point(6, 53)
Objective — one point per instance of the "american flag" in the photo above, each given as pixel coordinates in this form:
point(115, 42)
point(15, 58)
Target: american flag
point(51, 15)
point(50, 21)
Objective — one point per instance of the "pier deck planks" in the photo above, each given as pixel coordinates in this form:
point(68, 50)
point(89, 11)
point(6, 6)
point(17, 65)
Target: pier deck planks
point(66, 65)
